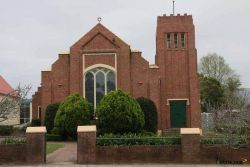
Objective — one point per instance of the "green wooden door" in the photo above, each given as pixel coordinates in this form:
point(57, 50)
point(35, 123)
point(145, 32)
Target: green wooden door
point(178, 114)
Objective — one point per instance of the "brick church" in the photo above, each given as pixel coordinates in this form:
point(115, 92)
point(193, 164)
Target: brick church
point(100, 62)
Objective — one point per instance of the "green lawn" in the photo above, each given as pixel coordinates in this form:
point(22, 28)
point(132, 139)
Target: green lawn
point(51, 147)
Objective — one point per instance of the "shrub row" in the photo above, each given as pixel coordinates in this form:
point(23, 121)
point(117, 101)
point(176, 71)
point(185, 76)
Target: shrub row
point(136, 139)
point(117, 113)
point(13, 141)
point(54, 137)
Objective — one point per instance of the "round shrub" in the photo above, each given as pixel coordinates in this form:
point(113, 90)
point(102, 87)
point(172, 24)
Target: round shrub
point(119, 113)
point(50, 114)
point(73, 111)
point(150, 114)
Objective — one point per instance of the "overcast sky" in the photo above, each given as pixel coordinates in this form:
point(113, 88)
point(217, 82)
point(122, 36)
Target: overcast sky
point(33, 32)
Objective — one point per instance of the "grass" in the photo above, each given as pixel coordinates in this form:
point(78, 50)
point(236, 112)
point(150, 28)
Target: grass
point(51, 147)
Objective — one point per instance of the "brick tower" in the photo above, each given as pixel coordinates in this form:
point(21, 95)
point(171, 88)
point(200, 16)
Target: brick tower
point(176, 57)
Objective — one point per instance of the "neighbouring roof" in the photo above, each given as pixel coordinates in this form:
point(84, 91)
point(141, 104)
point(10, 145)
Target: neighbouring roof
point(5, 87)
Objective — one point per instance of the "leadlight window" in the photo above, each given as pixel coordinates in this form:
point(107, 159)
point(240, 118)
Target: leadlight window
point(183, 40)
point(175, 40)
point(98, 82)
point(168, 40)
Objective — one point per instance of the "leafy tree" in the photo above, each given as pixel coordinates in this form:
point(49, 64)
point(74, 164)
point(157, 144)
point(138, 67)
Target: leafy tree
point(119, 113)
point(150, 113)
point(212, 92)
point(10, 103)
point(73, 111)
point(50, 114)
point(215, 66)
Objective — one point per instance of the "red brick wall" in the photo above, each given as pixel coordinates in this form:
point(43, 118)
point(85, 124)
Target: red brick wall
point(178, 68)
point(36, 101)
point(95, 58)
point(12, 153)
point(138, 154)
point(60, 79)
point(216, 153)
point(46, 97)
point(139, 75)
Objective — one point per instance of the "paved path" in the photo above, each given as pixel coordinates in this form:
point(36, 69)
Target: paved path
point(151, 165)
point(65, 155)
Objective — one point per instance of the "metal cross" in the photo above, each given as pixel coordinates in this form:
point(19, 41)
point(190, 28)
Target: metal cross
point(99, 19)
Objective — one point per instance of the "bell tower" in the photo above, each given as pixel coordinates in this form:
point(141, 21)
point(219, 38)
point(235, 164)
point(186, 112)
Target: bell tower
point(176, 57)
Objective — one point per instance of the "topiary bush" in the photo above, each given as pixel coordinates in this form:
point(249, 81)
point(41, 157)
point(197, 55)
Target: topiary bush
point(119, 113)
point(73, 111)
point(150, 113)
point(50, 114)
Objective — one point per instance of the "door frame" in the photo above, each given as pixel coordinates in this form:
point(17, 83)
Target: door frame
point(169, 109)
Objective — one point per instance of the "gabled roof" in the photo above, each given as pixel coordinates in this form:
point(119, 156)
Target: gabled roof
point(5, 87)
point(99, 29)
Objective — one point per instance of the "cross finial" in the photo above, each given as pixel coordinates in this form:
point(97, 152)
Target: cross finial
point(99, 19)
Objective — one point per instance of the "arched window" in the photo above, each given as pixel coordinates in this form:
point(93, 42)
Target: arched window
point(98, 82)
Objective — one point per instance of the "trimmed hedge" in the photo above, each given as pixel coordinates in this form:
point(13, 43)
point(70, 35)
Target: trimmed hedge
point(119, 113)
point(54, 137)
point(135, 139)
point(50, 115)
point(74, 111)
point(150, 113)
point(13, 141)
point(6, 130)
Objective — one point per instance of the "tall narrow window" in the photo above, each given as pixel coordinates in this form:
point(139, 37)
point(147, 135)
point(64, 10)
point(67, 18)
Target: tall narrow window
point(100, 86)
point(175, 40)
point(168, 40)
point(110, 81)
point(98, 82)
point(183, 40)
point(89, 87)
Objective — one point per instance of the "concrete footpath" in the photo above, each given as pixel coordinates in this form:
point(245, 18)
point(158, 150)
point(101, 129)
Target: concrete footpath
point(65, 155)
point(138, 165)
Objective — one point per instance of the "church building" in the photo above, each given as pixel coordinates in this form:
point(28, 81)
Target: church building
point(100, 62)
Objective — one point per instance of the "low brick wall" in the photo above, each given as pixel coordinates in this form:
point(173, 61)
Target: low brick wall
point(225, 155)
point(12, 153)
point(189, 151)
point(33, 151)
point(138, 154)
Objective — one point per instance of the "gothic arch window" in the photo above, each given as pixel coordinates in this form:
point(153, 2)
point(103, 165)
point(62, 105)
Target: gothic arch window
point(98, 82)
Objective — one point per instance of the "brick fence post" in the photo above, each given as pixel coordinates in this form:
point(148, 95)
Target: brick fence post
point(86, 144)
point(36, 144)
point(190, 145)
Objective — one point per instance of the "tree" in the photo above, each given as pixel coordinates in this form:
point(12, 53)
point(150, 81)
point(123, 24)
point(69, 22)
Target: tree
point(212, 92)
point(150, 114)
point(10, 103)
point(73, 111)
point(50, 115)
point(119, 113)
point(215, 66)
point(217, 74)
